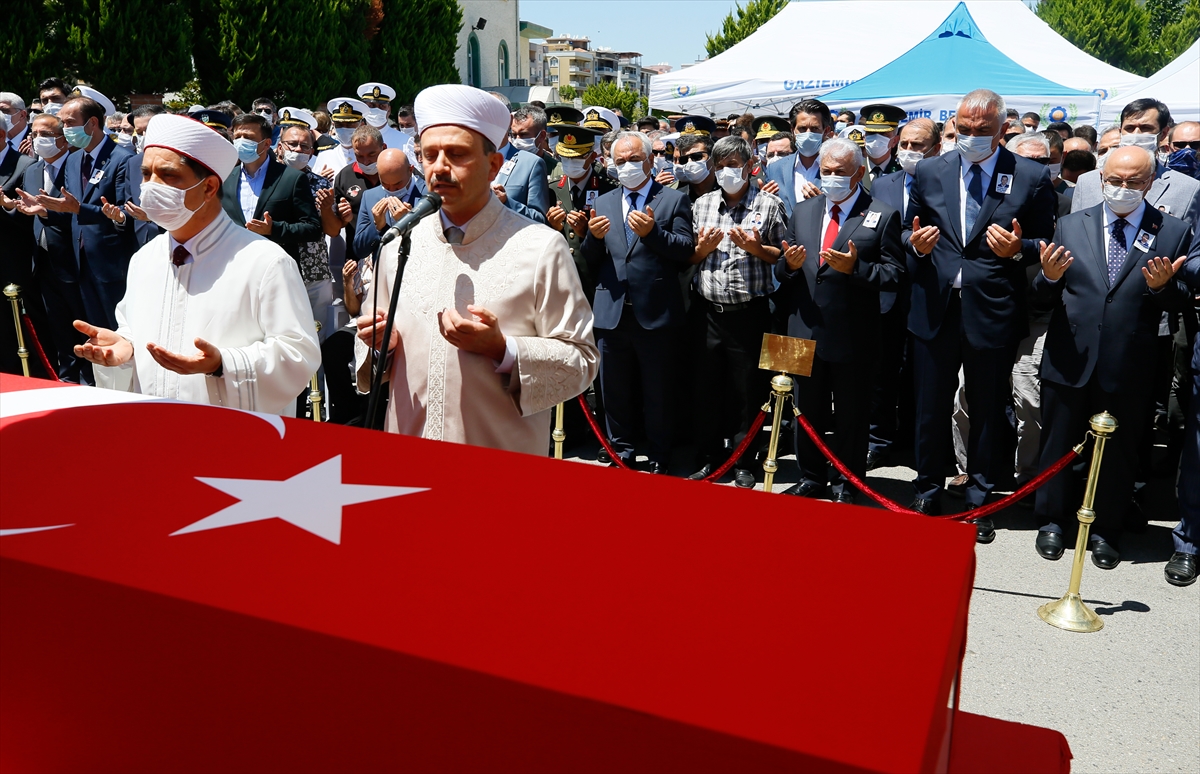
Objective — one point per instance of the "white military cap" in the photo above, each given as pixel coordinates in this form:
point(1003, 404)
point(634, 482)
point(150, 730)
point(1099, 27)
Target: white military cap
point(188, 137)
point(377, 92)
point(452, 104)
point(294, 116)
point(90, 93)
point(346, 110)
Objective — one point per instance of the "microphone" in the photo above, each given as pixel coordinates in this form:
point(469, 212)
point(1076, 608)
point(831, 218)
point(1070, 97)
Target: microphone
point(429, 204)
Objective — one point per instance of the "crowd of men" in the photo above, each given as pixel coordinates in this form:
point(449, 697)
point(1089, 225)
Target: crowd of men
point(976, 289)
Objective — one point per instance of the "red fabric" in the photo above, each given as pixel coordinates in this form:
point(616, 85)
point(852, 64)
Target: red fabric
point(831, 231)
point(521, 613)
point(36, 343)
point(984, 745)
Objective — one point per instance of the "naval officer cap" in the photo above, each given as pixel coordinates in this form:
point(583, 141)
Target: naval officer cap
point(452, 104)
point(346, 110)
point(294, 116)
point(376, 92)
point(601, 119)
point(213, 118)
point(96, 94)
point(188, 137)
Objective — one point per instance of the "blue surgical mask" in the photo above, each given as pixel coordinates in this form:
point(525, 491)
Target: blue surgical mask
point(247, 150)
point(808, 143)
point(77, 136)
point(1185, 161)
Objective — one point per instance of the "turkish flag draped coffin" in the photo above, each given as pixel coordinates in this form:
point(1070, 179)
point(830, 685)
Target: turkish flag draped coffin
point(193, 588)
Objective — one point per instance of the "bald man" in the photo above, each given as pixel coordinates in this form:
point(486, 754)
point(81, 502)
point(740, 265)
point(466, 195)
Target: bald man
point(398, 190)
point(1106, 279)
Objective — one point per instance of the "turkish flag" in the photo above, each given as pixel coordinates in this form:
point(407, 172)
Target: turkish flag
point(187, 587)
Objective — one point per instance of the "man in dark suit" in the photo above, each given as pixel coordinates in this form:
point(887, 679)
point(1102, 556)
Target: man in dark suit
point(16, 250)
point(639, 238)
point(576, 192)
point(843, 247)
point(267, 197)
point(1180, 570)
point(94, 175)
point(968, 212)
point(812, 125)
point(919, 140)
point(380, 207)
point(1108, 276)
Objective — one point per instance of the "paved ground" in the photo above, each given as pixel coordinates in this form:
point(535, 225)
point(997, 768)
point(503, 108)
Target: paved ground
point(1127, 697)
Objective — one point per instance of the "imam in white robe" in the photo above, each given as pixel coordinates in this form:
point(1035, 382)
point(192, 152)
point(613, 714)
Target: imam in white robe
point(241, 293)
point(523, 273)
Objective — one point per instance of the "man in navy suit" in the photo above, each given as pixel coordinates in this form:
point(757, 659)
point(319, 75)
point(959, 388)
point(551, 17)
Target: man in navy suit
point(812, 125)
point(381, 206)
point(919, 140)
point(842, 249)
point(522, 182)
point(1108, 277)
point(1181, 568)
point(95, 174)
point(16, 247)
point(972, 216)
point(639, 239)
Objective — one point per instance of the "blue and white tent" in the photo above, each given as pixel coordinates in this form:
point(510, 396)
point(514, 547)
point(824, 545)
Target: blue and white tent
point(930, 78)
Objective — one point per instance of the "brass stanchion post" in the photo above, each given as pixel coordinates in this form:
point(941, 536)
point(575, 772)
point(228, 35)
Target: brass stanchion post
point(558, 434)
point(314, 388)
point(781, 387)
point(1070, 612)
point(14, 297)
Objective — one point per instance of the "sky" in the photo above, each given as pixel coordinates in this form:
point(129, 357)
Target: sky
point(671, 31)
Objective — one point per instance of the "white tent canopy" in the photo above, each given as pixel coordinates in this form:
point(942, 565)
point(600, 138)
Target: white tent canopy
point(801, 53)
point(1177, 86)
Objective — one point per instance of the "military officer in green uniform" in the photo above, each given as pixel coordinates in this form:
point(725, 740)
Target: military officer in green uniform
point(881, 125)
point(576, 192)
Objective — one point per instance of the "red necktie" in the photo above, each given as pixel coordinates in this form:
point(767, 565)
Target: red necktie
point(831, 231)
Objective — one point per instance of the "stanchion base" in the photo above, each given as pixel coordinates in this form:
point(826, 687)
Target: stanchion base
point(1071, 614)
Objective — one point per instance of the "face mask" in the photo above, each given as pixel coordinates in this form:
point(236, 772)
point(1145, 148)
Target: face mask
point(419, 168)
point(808, 143)
point(344, 136)
point(691, 172)
point(52, 108)
point(1030, 130)
point(1147, 141)
point(45, 147)
point(611, 171)
point(838, 128)
point(411, 131)
point(1185, 161)
point(77, 136)
point(909, 159)
point(267, 114)
point(376, 117)
point(369, 169)
point(124, 139)
point(836, 187)
point(974, 149)
point(139, 143)
point(296, 159)
point(779, 158)
point(5, 123)
point(631, 174)
point(947, 146)
point(1161, 157)
point(730, 180)
point(574, 168)
point(1122, 200)
point(1055, 170)
point(660, 164)
point(165, 206)
point(110, 133)
point(524, 144)
point(876, 146)
point(247, 150)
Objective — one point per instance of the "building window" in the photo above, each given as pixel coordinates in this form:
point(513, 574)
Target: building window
point(474, 77)
point(554, 61)
point(502, 63)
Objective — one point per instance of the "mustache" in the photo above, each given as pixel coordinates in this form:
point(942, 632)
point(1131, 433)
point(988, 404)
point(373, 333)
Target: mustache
point(444, 178)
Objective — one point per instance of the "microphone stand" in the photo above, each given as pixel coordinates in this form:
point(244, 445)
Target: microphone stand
point(378, 368)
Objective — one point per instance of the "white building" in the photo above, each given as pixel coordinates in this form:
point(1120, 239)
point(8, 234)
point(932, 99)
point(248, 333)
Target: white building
point(491, 51)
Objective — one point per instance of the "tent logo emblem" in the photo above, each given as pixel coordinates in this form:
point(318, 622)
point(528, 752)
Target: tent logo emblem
point(1102, 93)
point(683, 90)
point(1058, 113)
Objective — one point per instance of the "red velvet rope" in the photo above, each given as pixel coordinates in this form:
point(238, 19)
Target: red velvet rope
point(37, 347)
point(892, 505)
point(755, 427)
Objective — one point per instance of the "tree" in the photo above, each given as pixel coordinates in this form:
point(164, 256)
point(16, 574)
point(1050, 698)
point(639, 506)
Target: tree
point(611, 96)
point(30, 54)
point(737, 28)
point(567, 93)
point(1178, 36)
point(1111, 31)
point(416, 45)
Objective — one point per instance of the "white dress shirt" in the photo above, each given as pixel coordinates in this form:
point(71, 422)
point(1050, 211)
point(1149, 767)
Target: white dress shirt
point(843, 208)
point(50, 173)
point(642, 192)
point(988, 166)
point(802, 174)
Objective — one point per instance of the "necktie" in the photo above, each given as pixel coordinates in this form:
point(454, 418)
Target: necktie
point(974, 198)
point(85, 170)
point(633, 201)
point(831, 231)
point(180, 255)
point(454, 235)
point(576, 197)
point(876, 172)
point(1117, 250)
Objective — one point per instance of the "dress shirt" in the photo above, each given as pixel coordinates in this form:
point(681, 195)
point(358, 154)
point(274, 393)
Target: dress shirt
point(843, 207)
point(50, 173)
point(641, 192)
point(250, 188)
point(802, 174)
point(729, 274)
point(1133, 222)
point(988, 167)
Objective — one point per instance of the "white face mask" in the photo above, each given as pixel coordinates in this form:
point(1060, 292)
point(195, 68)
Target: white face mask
point(296, 159)
point(974, 149)
point(344, 136)
point(267, 114)
point(1055, 170)
point(947, 146)
point(808, 143)
point(574, 168)
point(524, 144)
point(909, 159)
point(165, 205)
point(691, 172)
point(838, 128)
point(876, 145)
point(730, 179)
point(411, 131)
point(1141, 140)
point(1122, 200)
point(52, 108)
point(369, 169)
point(376, 117)
point(611, 171)
point(124, 140)
point(660, 164)
point(631, 174)
point(46, 147)
point(836, 187)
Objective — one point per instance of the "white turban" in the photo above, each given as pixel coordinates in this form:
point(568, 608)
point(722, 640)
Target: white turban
point(465, 106)
point(188, 137)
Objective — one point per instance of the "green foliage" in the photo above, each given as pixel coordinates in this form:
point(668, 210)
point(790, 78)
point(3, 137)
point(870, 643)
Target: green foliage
point(187, 96)
point(737, 28)
point(29, 55)
point(415, 45)
point(567, 93)
point(611, 96)
point(1139, 39)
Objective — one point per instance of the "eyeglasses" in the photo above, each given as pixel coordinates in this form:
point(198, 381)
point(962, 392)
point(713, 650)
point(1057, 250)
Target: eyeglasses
point(1119, 183)
point(293, 146)
point(660, 152)
point(698, 156)
point(47, 134)
point(1039, 159)
point(1194, 145)
point(778, 154)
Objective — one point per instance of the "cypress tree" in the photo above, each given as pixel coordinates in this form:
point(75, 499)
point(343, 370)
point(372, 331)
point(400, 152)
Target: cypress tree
point(1113, 31)
point(416, 45)
point(740, 24)
point(30, 55)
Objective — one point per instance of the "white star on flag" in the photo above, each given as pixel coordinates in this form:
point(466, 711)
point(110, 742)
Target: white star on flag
point(311, 500)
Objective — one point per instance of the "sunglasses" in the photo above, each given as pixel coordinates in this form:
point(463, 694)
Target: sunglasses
point(1040, 159)
point(1194, 145)
point(699, 156)
point(662, 152)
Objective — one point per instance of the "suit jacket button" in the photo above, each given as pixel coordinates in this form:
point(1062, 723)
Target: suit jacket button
point(1109, 300)
point(820, 280)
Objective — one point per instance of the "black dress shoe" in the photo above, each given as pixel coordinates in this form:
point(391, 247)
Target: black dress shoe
point(702, 473)
point(1181, 570)
point(846, 498)
point(1104, 554)
point(806, 489)
point(656, 468)
point(876, 459)
point(603, 456)
point(743, 478)
point(985, 531)
point(926, 507)
point(1049, 545)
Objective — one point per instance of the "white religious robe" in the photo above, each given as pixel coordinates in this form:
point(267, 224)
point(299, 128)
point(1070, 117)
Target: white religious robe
point(523, 273)
point(241, 293)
